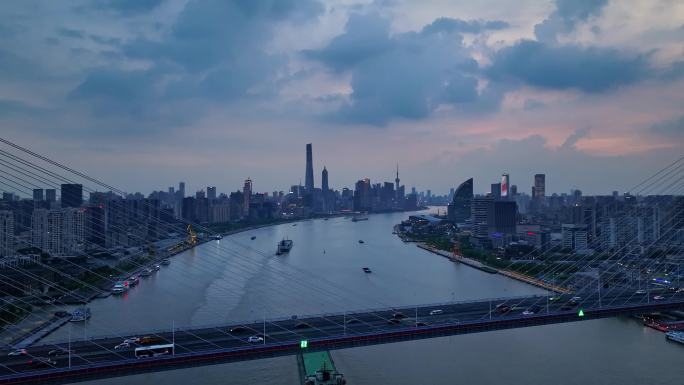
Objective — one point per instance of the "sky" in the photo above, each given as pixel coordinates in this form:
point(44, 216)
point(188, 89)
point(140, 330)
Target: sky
point(146, 93)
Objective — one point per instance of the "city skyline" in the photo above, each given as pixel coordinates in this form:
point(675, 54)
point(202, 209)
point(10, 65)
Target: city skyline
point(137, 98)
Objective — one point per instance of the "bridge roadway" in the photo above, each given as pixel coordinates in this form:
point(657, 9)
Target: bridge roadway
point(97, 357)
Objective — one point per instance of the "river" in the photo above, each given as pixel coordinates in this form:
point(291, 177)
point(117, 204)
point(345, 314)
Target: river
point(238, 278)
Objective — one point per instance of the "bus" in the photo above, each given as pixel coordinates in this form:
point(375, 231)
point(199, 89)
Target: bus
point(154, 350)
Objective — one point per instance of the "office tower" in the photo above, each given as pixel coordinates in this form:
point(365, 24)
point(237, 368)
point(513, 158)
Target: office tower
point(211, 193)
point(505, 217)
point(504, 186)
point(482, 213)
point(362, 195)
point(496, 191)
point(38, 194)
point(539, 190)
point(309, 178)
point(6, 233)
point(246, 196)
point(459, 210)
point(324, 181)
point(181, 189)
point(51, 195)
point(514, 191)
point(575, 237)
point(72, 195)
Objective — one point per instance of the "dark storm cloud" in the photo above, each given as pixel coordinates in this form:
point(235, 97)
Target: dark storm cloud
point(215, 49)
point(567, 15)
point(128, 7)
point(445, 24)
point(670, 128)
point(406, 75)
point(589, 69)
point(70, 33)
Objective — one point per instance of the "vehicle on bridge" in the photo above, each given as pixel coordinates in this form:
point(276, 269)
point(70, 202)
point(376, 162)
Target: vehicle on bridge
point(154, 350)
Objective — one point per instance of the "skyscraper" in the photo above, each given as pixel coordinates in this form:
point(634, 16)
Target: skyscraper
point(6, 233)
point(181, 189)
point(211, 193)
point(324, 181)
point(246, 196)
point(72, 195)
point(496, 191)
point(38, 194)
point(460, 208)
point(539, 186)
point(504, 186)
point(309, 178)
point(50, 195)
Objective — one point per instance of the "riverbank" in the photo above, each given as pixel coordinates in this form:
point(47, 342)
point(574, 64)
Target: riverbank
point(488, 269)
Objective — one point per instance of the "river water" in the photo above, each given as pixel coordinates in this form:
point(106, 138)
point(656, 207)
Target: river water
point(238, 278)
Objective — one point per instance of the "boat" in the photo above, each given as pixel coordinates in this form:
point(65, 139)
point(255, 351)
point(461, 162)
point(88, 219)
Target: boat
point(361, 241)
point(146, 273)
point(81, 314)
point(325, 376)
point(358, 218)
point(253, 237)
point(165, 262)
point(675, 336)
point(367, 270)
point(218, 237)
point(156, 267)
point(284, 246)
point(133, 281)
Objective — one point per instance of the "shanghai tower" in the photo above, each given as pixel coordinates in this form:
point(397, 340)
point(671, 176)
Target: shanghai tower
point(309, 181)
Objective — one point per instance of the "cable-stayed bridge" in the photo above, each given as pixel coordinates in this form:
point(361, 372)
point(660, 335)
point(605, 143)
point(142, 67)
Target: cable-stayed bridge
point(76, 360)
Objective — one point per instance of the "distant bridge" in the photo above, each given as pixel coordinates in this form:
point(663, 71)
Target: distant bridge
point(97, 358)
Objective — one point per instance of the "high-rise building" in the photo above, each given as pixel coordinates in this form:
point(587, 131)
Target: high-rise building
point(51, 195)
point(309, 177)
point(211, 193)
point(38, 194)
point(496, 191)
point(324, 181)
point(539, 190)
point(482, 212)
point(181, 189)
point(505, 183)
point(246, 196)
point(59, 231)
point(396, 181)
point(505, 217)
point(362, 195)
point(575, 237)
point(72, 195)
point(6, 233)
point(459, 210)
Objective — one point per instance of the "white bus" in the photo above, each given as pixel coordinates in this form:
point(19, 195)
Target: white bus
point(154, 350)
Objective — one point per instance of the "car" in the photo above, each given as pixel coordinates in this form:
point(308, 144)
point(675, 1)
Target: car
point(131, 340)
point(62, 313)
point(681, 289)
point(150, 340)
point(421, 323)
point(40, 362)
point(302, 325)
point(554, 298)
point(18, 352)
point(398, 315)
point(255, 339)
point(658, 298)
point(394, 321)
point(122, 345)
point(673, 289)
point(436, 311)
point(352, 321)
point(503, 308)
point(527, 312)
point(59, 352)
point(576, 299)
point(640, 291)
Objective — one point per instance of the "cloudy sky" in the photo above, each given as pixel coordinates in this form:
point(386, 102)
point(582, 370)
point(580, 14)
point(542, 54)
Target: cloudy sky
point(144, 93)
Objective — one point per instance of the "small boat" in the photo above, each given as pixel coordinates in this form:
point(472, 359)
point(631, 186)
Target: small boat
point(253, 237)
point(367, 270)
point(358, 218)
point(294, 224)
point(361, 241)
point(146, 273)
point(133, 281)
point(218, 237)
point(156, 268)
point(284, 246)
point(165, 262)
point(81, 314)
